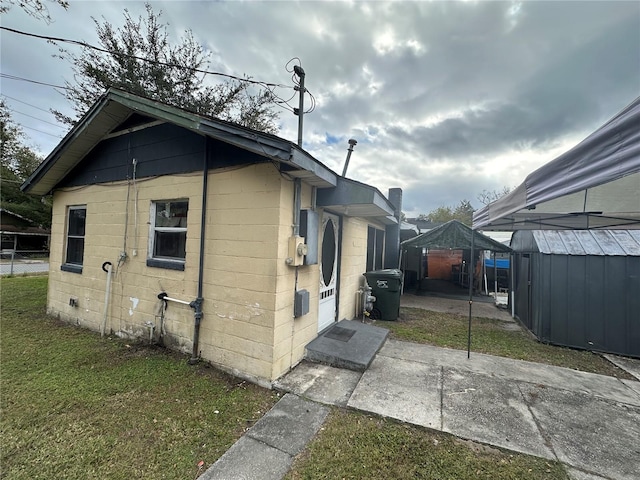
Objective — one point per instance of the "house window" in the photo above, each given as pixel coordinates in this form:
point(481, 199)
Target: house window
point(74, 255)
point(375, 248)
point(168, 235)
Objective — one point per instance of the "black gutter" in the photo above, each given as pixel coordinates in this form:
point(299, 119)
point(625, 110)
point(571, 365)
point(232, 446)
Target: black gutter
point(197, 303)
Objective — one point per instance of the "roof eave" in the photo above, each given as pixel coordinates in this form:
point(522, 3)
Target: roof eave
point(98, 121)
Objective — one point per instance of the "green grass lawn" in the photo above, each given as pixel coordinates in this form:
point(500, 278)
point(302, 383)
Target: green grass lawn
point(352, 445)
point(489, 336)
point(74, 405)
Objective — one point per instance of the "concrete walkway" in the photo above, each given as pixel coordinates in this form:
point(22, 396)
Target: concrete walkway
point(589, 422)
point(267, 450)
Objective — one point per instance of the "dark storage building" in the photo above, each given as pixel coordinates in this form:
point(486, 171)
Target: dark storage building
point(580, 288)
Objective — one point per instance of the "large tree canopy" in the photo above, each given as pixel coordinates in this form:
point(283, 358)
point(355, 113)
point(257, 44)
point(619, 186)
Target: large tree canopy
point(139, 58)
point(17, 162)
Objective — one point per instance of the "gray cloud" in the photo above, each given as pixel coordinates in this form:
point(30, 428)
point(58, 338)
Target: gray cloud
point(434, 92)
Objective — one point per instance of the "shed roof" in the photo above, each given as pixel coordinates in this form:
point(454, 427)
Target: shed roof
point(579, 242)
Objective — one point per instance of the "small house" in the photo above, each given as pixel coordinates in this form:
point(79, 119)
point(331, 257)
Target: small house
point(21, 234)
point(232, 244)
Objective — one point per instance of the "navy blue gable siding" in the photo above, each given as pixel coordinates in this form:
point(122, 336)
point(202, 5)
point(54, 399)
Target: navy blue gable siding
point(164, 149)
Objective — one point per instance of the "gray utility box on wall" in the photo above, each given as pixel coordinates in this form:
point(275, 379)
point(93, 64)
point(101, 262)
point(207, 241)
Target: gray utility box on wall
point(301, 303)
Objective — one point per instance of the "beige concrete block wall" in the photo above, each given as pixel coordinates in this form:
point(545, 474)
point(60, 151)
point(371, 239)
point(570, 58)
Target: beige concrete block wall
point(240, 270)
point(292, 334)
point(133, 302)
point(240, 284)
point(248, 326)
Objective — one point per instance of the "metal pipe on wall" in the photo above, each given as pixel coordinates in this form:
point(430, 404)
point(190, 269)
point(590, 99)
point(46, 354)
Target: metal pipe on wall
point(107, 296)
point(197, 303)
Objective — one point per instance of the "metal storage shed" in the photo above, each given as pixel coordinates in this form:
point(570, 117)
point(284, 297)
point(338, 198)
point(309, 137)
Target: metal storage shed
point(580, 288)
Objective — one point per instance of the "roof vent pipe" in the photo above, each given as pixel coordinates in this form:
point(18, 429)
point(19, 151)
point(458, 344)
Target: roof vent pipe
point(352, 143)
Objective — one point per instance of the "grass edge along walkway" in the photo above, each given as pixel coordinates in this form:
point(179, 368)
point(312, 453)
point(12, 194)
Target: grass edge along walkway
point(355, 445)
point(490, 337)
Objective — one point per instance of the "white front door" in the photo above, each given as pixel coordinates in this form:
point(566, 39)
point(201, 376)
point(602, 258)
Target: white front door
point(328, 271)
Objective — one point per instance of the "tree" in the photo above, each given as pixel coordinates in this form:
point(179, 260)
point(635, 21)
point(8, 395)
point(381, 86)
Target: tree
point(486, 197)
point(138, 58)
point(36, 8)
point(463, 212)
point(17, 162)
point(14, 154)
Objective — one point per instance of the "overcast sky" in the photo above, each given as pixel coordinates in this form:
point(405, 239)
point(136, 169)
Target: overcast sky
point(445, 99)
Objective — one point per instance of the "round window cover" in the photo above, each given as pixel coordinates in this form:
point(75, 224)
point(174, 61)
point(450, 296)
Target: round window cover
point(328, 252)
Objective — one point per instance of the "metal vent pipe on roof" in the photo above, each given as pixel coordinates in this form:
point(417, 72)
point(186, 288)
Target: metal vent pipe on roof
point(352, 143)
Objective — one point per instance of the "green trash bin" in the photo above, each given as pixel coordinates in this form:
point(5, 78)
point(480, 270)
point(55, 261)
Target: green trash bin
point(386, 286)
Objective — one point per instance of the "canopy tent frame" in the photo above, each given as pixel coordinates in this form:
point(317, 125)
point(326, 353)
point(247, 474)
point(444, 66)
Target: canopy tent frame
point(594, 185)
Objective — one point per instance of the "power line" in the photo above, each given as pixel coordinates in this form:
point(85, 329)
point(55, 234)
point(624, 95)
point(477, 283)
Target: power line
point(29, 104)
point(22, 79)
point(40, 131)
point(279, 101)
point(268, 85)
point(156, 62)
point(36, 118)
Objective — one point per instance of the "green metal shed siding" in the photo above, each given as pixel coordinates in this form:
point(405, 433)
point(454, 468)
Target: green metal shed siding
point(583, 301)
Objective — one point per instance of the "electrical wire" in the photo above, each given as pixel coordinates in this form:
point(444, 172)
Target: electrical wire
point(29, 104)
point(296, 82)
point(135, 57)
point(40, 131)
point(282, 103)
point(36, 118)
point(286, 66)
point(22, 79)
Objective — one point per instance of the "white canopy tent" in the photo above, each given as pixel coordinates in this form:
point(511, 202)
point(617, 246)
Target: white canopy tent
point(594, 185)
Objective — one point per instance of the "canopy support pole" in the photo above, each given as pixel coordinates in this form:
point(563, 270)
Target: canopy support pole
point(471, 275)
point(495, 278)
point(484, 274)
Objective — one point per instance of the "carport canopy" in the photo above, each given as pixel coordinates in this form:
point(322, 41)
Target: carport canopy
point(454, 235)
point(595, 185)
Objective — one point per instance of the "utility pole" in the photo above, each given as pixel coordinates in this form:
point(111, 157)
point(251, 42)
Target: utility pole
point(300, 110)
point(297, 183)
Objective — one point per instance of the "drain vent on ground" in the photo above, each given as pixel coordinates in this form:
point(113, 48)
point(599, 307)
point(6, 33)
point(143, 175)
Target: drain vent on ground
point(340, 334)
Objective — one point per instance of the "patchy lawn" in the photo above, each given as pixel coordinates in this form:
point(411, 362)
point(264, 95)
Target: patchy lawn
point(352, 445)
point(76, 406)
point(490, 336)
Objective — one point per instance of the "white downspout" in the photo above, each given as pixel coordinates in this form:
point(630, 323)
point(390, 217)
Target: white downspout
point(107, 296)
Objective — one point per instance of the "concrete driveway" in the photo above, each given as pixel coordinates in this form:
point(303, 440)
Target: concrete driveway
point(484, 309)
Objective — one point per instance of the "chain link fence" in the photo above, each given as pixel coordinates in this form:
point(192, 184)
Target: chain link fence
point(23, 262)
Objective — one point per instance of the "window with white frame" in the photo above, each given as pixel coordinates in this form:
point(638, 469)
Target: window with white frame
point(74, 245)
point(168, 234)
